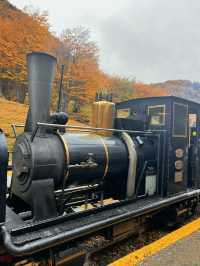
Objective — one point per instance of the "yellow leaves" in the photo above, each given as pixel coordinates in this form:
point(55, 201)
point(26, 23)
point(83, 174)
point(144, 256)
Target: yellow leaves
point(20, 34)
point(145, 90)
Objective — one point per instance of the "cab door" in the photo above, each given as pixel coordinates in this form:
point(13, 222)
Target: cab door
point(178, 168)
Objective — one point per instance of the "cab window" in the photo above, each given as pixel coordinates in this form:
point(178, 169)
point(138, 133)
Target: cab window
point(180, 121)
point(123, 113)
point(156, 115)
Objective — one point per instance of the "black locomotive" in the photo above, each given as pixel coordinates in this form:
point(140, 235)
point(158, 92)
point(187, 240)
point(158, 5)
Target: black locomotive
point(145, 159)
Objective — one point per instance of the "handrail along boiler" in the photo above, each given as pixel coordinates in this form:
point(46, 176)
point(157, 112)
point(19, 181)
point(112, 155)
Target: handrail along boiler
point(142, 150)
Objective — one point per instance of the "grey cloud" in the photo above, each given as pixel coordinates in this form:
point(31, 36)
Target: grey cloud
point(152, 40)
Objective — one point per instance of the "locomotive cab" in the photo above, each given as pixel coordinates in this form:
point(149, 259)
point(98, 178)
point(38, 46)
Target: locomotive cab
point(177, 122)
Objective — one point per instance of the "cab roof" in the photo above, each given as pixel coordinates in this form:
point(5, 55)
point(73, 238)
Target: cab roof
point(156, 98)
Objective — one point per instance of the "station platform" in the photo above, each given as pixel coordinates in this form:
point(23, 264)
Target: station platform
point(179, 248)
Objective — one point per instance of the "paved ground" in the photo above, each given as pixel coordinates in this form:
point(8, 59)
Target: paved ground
point(185, 252)
point(178, 248)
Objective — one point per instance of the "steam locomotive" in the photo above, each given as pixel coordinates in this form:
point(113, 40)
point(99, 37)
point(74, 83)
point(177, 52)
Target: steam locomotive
point(139, 156)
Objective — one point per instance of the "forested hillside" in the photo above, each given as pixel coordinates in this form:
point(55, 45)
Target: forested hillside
point(28, 30)
point(24, 32)
point(182, 88)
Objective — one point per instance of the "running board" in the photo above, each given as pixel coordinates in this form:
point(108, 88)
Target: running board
point(34, 238)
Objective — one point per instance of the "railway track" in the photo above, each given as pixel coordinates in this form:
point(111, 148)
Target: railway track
point(147, 235)
point(100, 248)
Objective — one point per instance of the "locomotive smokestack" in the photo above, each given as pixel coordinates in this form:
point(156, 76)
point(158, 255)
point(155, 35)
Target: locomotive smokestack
point(41, 72)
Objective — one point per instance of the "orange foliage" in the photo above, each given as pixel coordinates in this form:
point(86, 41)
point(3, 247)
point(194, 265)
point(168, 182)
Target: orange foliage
point(23, 32)
point(20, 34)
point(81, 58)
point(145, 90)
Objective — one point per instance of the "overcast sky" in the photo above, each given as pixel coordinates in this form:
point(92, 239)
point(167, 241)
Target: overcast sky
point(151, 40)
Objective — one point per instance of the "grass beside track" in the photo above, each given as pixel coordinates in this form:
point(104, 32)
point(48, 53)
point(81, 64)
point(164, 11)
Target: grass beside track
point(11, 113)
point(15, 113)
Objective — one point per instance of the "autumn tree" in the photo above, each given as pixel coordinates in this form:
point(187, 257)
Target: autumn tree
point(80, 55)
point(148, 90)
point(26, 31)
point(121, 88)
point(20, 34)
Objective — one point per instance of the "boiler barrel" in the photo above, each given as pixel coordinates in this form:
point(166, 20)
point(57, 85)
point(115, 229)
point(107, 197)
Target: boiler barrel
point(108, 153)
point(65, 159)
